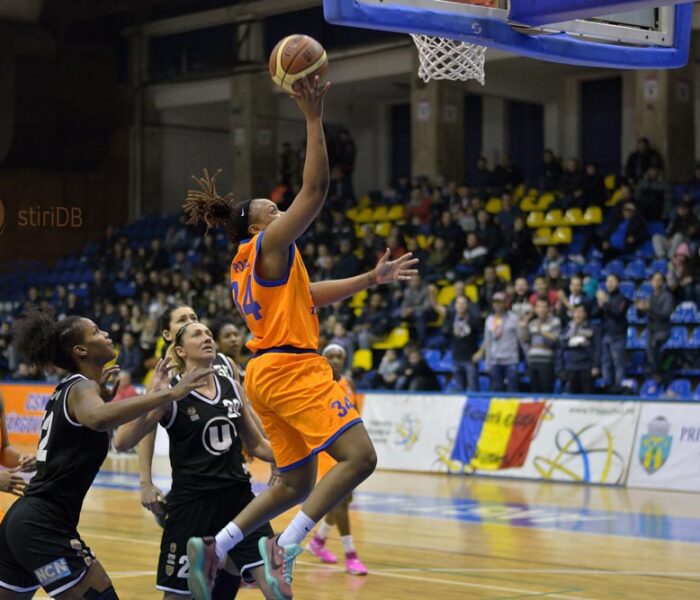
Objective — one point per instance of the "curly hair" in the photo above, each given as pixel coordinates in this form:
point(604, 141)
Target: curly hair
point(43, 342)
point(205, 205)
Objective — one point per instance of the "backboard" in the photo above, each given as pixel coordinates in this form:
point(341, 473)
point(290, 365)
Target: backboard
point(650, 37)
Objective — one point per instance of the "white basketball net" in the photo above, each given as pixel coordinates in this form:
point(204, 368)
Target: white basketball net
point(443, 58)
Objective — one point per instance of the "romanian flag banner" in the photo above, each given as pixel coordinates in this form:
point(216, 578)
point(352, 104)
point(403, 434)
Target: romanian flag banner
point(496, 433)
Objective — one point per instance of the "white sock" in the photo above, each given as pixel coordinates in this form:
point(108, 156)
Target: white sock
point(347, 543)
point(297, 530)
point(227, 538)
point(323, 530)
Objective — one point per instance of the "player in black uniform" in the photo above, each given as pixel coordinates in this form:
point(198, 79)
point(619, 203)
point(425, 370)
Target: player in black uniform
point(210, 484)
point(39, 542)
point(230, 342)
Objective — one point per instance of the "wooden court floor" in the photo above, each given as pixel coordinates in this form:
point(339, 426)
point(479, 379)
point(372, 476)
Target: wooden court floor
point(439, 536)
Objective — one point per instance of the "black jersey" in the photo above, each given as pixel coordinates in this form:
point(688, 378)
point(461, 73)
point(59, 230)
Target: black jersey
point(68, 457)
point(222, 365)
point(205, 448)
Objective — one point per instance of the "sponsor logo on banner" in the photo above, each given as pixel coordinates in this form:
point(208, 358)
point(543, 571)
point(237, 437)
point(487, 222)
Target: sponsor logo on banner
point(408, 431)
point(667, 447)
point(25, 404)
point(655, 446)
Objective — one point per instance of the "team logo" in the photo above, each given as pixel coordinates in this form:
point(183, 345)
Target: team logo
point(407, 431)
point(54, 571)
point(173, 547)
point(2, 216)
point(218, 435)
point(169, 570)
point(655, 446)
point(192, 413)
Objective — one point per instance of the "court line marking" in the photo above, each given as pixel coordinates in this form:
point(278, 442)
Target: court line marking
point(543, 571)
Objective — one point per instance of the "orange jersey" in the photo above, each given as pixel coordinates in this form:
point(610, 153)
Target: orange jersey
point(278, 313)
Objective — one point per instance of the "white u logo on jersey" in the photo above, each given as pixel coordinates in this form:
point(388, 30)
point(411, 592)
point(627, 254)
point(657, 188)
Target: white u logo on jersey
point(218, 435)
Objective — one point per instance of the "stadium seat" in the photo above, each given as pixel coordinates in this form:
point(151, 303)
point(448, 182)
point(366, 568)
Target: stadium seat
point(593, 215)
point(627, 289)
point(554, 218)
point(574, 217)
point(446, 362)
point(519, 191)
point(651, 389)
point(633, 315)
point(542, 237)
point(635, 269)
point(381, 213)
point(358, 300)
point(632, 339)
point(593, 269)
point(684, 313)
point(503, 271)
point(644, 290)
point(432, 357)
point(484, 383)
point(535, 219)
point(614, 198)
point(678, 338)
point(493, 206)
point(694, 339)
point(472, 292)
point(383, 229)
point(610, 182)
point(658, 265)
point(362, 359)
point(398, 337)
point(614, 267)
point(680, 388)
point(424, 240)
point(396, 213)
point(656, 227)
point(446, 295)
point(562, 235)
point(365, 215)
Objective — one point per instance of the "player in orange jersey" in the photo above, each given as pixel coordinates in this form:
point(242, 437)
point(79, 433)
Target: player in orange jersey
point(340, 515)
point(291, 387)
point(14, 461)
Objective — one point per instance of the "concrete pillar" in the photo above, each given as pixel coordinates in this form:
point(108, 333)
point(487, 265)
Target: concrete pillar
point(253, 135)
point(664, 114)
point(437, 128)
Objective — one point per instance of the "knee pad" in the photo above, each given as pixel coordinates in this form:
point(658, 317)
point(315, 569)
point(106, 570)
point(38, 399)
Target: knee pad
point(108, 594)
point(226, 586)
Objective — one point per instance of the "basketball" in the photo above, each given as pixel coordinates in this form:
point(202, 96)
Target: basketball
point(295, 57)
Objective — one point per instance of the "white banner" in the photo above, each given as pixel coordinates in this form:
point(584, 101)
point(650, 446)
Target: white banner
point(580, 441)
point(413, 432)
point(667, 449)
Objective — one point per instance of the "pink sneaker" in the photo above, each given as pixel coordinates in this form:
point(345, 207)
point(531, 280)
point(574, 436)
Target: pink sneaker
point(354, 565)
point(317, 547)
point(278, 563)
point(203, 566)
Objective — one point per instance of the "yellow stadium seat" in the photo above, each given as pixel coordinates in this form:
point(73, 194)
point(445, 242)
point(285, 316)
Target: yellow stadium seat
point(503, 271)
point(542, 237)
point(574, 217)
point(358, 231)
point(593, 215)
point(519, 191)
point(472, 292)
point(610, 182)
point(533, 192)
point(528, 204)
point(383, 229)
point(446, 295)
point(535, 219)
point(493, 206)
point(362, 359)
point(381, 213)
point(562, 235)
point(424, 240)
point(352, 213)
point(358, 300)
point(398, 337)
point(396, 213)
point(615, 198)
point(364, 202)
point(545, 200)
point(366, 215)
point(554, 218)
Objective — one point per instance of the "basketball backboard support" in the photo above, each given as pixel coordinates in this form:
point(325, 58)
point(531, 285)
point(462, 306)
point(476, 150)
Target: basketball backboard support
point(649, 38)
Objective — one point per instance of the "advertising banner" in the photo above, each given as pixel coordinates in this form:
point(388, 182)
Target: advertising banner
point(24, 410)
point(413, 432)
point(667, 449)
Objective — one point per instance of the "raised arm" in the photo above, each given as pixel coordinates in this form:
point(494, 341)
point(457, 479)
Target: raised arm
point(289, 226)
point(386, 271)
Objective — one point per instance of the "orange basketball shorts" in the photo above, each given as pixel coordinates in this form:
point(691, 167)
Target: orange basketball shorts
point(301, 407)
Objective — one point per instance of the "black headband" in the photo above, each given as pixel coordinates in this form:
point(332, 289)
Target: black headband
point(181, 331)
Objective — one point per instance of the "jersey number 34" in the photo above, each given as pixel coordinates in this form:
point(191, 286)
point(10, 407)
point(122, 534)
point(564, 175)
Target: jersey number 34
point(250, 306)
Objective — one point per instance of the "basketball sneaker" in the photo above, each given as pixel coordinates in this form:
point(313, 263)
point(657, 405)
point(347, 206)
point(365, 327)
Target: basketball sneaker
point(279, 562)
point(204, 563)
point(317, 547)
point(354, 565)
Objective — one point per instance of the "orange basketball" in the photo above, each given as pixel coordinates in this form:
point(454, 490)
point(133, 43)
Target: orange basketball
point(295, 57)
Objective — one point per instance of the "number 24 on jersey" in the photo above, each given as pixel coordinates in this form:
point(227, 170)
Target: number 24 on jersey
point(250, 306)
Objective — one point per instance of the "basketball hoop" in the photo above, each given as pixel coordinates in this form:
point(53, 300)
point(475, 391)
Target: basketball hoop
point(444, 58)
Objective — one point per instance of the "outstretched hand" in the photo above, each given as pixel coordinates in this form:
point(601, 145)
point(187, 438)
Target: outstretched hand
point(309, 95)
point(400, 269)
point(109, 376)
point(161, 375)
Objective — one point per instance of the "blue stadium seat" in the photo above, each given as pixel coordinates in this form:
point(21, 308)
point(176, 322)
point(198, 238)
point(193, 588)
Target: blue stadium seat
point(684, 313)
point(633, 315)
point(678, 338)
point(637, 363)
point(632, 338)
point(696, 395)
point(650, 389)
point(614, 267)
point(658, 265)
point(646, 250)
point(627, 289)
point(593, 269)
point(644, 290)
point(636, 269)
point(656, 227)
point(432, 357)
point(484, 383)
point(694, 339)
point(446, 361)
point(453, 386)
point(680, 388)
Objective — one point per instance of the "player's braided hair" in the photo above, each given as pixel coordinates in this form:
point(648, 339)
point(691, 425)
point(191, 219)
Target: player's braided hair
point(43, 342)
point(205, 205)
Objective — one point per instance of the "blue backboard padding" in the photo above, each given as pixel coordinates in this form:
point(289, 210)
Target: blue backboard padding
point(542, 12)
point(495, 33)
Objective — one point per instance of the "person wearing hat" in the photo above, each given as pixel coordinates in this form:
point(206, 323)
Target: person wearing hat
point(500, 346)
